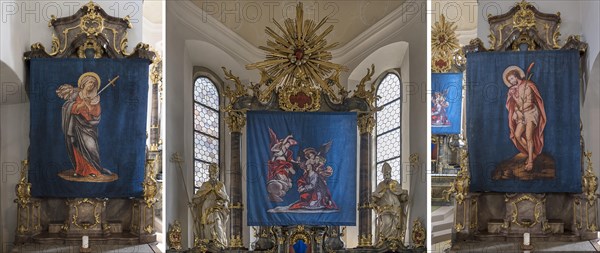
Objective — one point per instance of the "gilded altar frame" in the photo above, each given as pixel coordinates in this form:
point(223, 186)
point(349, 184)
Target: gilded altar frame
point(297, 75)
point(524, 28)
point(92, 33)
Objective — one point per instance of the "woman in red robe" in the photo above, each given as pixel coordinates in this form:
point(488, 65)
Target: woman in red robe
point(80, 119)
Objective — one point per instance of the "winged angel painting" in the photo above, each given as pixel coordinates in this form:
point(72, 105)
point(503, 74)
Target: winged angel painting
point(314, 194)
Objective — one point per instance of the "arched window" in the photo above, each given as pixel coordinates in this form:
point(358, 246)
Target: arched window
point(206, 128)
point(388, 129)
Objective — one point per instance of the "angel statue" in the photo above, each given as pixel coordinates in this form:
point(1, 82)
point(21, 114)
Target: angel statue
point(390, 202)
point(280, 166)
point(80, 118)
point(211, 210)
point(312, 185)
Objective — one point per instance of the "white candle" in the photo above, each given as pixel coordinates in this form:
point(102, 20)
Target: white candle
point(526, 239)
point(85, 243)
point(598, 235)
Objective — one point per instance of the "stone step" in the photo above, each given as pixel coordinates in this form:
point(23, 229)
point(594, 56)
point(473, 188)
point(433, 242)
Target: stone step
point(442, 225)
point(442, 213)
point(440, 236)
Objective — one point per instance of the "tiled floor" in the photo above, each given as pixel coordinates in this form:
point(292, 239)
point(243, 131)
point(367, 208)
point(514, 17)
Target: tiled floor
point(30, 248)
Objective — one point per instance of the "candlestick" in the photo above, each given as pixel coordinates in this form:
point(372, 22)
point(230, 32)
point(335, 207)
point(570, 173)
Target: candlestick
point(85, 242)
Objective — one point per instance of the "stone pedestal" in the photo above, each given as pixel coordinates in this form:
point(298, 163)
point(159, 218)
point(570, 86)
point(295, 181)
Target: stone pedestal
point(28, 220)
point(142, 221)
point(465, 217)
point(526, 213)
point(85, 217)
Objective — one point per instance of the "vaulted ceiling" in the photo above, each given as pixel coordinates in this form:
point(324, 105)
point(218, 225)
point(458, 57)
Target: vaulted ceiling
point(249, 18)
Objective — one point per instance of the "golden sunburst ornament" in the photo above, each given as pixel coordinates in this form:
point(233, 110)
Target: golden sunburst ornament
point(443, 45)
point(298, 56)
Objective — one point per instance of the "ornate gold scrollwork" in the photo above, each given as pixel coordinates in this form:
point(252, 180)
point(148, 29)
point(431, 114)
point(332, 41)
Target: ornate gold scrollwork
point(365, 240)
point(174, 236)
point(308, 99)
point(149, 229)
point(524, 18)
point(300, 233)
point(524, 39)
point(418, 234)
point(366, 123)
point(75, 217)
point(23, 188)
point(91, 23)
point(537, 213)
point(156, 68)
point(460, 186)
point(150, 185)
point(590, 181)
point(235, 120)
point(361, 91)
point(235, 241)
point(90, 44)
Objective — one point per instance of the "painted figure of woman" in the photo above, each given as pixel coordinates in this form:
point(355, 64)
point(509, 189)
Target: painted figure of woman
point(80, 118)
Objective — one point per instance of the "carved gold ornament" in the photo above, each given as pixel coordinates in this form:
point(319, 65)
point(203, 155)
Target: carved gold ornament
point(298, 52)
point(150, 185)
point(524, 18)
point(590, 181)
point(23, 188)
point(235, 241)
point(418, 234)
point(366, 240)
point(444, 44)
point(300, 97)
point(361, 92)
point(75, 217)
point(91, 23)
point(460, 186)
point(366, 123)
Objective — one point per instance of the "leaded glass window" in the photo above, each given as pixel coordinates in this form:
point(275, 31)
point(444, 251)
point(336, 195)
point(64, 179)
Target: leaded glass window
point(388, 130)
point(206, 128)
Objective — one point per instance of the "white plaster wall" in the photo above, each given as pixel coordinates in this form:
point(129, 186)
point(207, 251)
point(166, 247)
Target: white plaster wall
point(208, 45)
point(22, 24)
point(591, 106)
point(15, 141)
point(11, 50)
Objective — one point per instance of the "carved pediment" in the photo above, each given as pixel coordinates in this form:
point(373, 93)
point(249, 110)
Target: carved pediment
point(90, 33)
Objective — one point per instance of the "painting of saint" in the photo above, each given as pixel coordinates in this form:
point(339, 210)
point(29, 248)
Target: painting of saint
point(314, 194)
point(439, 116)
point(526, 123)
point(523, 121)
point(298, 168)
point(312, 186)
point(81, 115)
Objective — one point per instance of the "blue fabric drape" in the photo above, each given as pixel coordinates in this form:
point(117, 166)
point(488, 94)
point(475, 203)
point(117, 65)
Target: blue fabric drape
point(121, 130)
point(310, 132)
point(556, 76)
point(446, 103)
